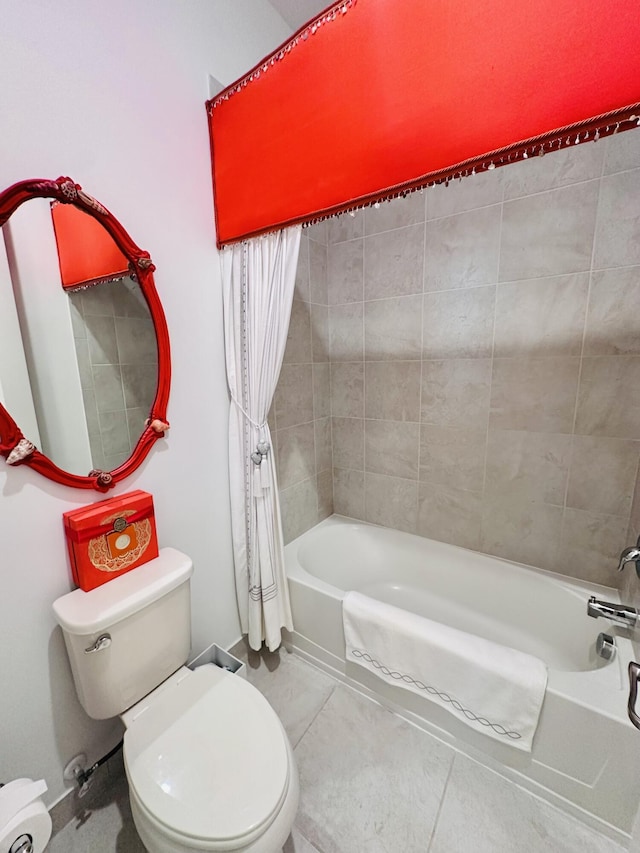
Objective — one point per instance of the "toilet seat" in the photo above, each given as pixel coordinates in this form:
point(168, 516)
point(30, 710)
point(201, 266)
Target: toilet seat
point(207, 759)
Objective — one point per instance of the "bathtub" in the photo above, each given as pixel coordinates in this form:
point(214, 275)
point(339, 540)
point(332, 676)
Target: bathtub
point(585, 752)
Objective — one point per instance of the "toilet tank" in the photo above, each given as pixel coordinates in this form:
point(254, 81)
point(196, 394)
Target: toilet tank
point(146, 617)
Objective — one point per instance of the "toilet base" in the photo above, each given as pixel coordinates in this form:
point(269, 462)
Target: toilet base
point(271, 841)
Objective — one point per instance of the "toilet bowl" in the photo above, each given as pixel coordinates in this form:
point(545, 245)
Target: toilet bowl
point(209, 766)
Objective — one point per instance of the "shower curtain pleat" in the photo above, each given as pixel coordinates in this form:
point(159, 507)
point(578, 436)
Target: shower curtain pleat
point(258, 284)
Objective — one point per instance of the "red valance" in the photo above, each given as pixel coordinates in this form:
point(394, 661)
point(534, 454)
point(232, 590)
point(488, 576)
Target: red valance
point(87, 253)
point(377, 97)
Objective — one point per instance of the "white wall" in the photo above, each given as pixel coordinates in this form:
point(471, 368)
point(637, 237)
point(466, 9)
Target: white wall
point(47, 334)
point(15, 390)
point(112, 94)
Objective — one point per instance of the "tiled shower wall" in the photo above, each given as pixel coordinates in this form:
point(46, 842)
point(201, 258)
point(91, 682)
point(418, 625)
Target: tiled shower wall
point(485, 360)
point(118, 361)
point(300, 418)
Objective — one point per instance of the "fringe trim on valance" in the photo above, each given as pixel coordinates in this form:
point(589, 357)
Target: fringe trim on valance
point(589, 130)
point(328, 16)
point(107, 279)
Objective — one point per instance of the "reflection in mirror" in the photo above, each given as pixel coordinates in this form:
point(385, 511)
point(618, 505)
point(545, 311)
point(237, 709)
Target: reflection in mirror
point(91, 354)
point(117, 358)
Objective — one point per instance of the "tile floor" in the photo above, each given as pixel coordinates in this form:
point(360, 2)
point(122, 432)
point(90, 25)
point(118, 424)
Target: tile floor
point(370, 783)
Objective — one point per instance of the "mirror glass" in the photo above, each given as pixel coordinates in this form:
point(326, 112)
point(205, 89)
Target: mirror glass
point(88, 358)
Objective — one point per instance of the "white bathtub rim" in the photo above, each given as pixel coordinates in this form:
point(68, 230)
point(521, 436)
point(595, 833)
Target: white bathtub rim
point(577, 586)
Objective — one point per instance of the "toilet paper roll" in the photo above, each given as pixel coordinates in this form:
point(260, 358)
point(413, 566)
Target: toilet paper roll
point(33, 820)
point(30, 817)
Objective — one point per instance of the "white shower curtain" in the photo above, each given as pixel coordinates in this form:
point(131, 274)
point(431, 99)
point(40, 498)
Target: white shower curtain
point(258, 282)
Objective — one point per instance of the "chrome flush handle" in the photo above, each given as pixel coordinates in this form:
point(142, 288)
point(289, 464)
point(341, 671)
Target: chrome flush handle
point(103, 642)
point(634, 676)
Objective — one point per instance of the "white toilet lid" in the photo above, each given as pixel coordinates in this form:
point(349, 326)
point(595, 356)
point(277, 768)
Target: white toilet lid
point(209, 761)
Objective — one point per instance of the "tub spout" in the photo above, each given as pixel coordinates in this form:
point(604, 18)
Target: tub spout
point(621, 614)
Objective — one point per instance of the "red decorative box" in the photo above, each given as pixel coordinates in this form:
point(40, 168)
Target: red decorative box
point(110, 537)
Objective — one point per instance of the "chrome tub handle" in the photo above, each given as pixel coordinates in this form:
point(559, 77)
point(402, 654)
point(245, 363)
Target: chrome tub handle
point(634, 676)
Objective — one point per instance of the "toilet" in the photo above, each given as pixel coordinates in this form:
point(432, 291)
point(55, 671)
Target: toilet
point(208, 763)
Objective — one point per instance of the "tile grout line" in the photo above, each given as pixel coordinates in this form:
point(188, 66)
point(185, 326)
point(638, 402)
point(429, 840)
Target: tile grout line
point(441, 803)
point(364, 380)
point(424, 276)
point(559, 547)
point(316, 715)
point(481, 532)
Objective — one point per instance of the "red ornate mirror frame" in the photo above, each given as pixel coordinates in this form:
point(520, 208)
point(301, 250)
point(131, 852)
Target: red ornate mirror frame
point(14, 446)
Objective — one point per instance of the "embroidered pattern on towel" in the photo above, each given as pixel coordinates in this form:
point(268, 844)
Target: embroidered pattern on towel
point(358, 653)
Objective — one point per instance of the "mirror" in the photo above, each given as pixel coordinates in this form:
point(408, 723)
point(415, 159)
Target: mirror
point(84, 361)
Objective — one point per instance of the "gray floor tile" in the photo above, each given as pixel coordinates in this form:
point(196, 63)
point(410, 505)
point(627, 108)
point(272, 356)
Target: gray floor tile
point(297, 843)
point(105, 826)
point(484, 813)
point(370, 782)
point(295, 689)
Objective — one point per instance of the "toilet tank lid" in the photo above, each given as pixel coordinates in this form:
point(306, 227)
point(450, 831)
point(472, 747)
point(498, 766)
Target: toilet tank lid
point(80, 612)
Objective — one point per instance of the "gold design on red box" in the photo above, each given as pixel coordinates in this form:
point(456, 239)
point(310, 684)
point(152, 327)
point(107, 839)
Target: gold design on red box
point(112, 552)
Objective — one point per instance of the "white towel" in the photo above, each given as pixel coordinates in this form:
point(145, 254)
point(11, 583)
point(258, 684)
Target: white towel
point(494, 689)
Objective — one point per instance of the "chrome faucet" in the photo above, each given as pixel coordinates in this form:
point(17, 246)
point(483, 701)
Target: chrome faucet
point(621, 614)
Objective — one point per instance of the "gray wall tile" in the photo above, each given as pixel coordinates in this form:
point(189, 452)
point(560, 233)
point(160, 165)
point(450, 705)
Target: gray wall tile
point(298, 347)
point(608, 399)
point(294, 395)
point(393, 328)
point(296, 454)
point(603, 474)
point(346, 334)
point(392, 447)
point(568, 166)
point(393, 263)
point(388, 216)
point(391, 501)
point(348, 442)
point(318, 286)
point(459, 323)
point(557, 345)
point(462, 250)
point(622, 152)
point(543, 316)
point(299, 508)
point(550, 233)
point(302, 271)
point(590, 545)
point(348, 492)
point(455, 392)
point(617, 242)
point(450, 514)
point(537, 394)
point(136, 340)
point(324, 455)
point(319, 318)
point(345, 272)
point(612, 327)
point(392, 390)
point(346, 227)
point(522, 531)
point(101, 337)
point(347, 389)
point(530, 466)
point(321, 390)
point(453, 456)
point(478, 190)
